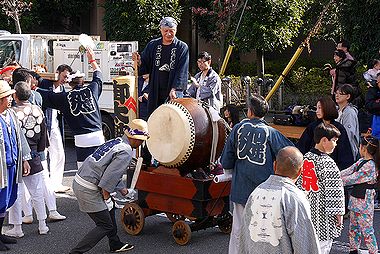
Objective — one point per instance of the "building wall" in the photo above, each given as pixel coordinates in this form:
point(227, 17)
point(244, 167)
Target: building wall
point(96, 19)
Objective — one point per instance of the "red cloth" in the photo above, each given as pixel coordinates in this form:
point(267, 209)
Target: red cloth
point(8, 68)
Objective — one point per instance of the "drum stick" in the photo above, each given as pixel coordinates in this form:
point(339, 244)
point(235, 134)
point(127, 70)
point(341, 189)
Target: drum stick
point(136, 96)
point(137, 172)
point(222, 178)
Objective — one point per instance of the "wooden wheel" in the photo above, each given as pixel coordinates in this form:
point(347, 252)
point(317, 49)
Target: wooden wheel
point(225, 223)
point(181, 232)
point(132, 218)
point(175, 217)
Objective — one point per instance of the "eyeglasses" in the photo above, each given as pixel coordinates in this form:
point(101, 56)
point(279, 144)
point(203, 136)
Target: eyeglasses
point(201, 61)
point(340, 93)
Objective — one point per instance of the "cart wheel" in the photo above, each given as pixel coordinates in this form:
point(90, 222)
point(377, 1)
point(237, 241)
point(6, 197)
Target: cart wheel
point(175, 217)
point(225, 223)
point(132, 218)
point(181, 232)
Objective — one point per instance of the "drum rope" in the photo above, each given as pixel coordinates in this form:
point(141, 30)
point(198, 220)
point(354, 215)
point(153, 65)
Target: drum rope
point(215, 134)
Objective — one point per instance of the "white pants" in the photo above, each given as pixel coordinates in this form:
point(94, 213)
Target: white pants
point(34, 185)
point(326, 246)
point(49, 194)
point(237, 217)
point(79, 164)
point(57, 157)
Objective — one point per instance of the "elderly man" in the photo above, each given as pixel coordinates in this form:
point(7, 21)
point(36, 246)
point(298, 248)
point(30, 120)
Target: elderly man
point(277, 217)
point(100, 175)
point(206, 84)
point(15, 153)
point(166, 60)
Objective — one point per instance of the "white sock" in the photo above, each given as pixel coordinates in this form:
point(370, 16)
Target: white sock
point(17, 227)
point(41, 224)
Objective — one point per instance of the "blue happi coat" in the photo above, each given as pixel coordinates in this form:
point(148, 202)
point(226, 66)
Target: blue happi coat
point(249, 152)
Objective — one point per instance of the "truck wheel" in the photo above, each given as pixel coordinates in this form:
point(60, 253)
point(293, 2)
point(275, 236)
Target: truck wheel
point(108, 127)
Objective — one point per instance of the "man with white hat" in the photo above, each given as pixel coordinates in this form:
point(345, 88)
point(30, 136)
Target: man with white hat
point(80, 107)
point(14, 153)
point(101, 174)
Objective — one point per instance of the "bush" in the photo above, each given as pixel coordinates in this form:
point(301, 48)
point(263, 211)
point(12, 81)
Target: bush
point(306, 86)
point(303, 85)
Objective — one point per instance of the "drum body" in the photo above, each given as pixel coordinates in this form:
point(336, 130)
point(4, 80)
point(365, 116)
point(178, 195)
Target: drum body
point(181, 135)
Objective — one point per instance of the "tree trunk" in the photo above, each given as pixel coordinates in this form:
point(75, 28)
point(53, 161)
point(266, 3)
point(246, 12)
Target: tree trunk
point(260, 63)
point(17, 23)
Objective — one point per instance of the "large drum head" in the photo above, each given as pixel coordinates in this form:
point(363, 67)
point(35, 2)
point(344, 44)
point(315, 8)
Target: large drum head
point(172, 134)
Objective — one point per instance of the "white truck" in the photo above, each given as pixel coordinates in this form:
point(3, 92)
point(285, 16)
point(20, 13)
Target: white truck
point(55, 49)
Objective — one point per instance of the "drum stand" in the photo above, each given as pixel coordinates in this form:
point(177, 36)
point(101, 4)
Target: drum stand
point(163, 190)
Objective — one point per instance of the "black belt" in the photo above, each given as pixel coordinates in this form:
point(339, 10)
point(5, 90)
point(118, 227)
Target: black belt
point(359, 190)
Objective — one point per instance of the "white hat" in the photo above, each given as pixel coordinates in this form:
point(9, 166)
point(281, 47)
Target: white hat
point(137, 129)
point(74, 75)
point(5, 89)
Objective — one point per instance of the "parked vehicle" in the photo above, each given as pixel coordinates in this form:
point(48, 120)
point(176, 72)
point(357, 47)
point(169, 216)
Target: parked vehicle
point(52, 50)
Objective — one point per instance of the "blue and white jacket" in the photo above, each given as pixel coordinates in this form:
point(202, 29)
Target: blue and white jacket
point(249, 152)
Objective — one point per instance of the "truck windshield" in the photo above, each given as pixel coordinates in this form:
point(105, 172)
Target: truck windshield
point(9, 51)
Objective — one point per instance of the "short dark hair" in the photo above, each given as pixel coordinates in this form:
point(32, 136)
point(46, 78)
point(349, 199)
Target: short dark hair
point(64, 67)
point(234, 113)
point(20, 74)
point(345, 44)
point(23, 90)
point(323, 130)
point(289, 162)
point(204, 55)
point(329, 109)
point(340, 53)
point(347, 89)
point(258, 105)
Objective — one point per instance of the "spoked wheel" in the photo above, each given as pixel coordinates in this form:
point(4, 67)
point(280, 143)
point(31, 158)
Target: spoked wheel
point(175, 217)
point(225, 223)
point(181, 232)
point(132, 218)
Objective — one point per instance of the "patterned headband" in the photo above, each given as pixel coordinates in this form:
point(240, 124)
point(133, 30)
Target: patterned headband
point(134, 132)
point(367, 137)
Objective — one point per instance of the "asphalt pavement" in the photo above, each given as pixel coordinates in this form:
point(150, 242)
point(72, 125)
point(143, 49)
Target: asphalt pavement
point(155, 238)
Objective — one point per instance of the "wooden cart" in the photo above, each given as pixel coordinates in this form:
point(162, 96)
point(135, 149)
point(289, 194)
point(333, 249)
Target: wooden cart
point(162, 190)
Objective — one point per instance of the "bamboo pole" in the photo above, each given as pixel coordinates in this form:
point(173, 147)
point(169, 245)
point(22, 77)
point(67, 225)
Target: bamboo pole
point(226, 59)
point(306, 43)
point(285, 71)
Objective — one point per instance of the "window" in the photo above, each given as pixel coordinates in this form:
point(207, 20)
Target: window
point(10, 51)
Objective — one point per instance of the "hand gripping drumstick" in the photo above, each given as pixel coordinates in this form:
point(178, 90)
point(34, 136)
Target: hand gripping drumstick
point(137, 172)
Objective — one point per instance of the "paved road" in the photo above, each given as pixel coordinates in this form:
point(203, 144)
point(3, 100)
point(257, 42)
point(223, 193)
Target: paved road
point(155, 238)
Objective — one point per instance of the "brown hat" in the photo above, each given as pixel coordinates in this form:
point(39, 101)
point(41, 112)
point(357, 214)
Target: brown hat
point(5, 89)
point(137, 129)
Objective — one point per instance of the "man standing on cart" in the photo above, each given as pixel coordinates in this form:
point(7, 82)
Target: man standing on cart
point(166, 60)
